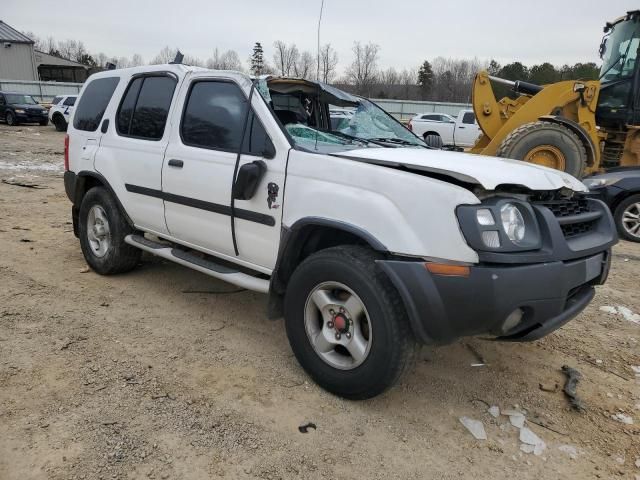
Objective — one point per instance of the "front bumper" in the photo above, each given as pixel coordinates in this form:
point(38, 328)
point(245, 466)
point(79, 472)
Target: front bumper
point(444, 308)
point(31, 117)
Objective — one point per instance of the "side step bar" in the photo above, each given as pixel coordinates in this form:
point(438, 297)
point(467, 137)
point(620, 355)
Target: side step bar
point(200, 264)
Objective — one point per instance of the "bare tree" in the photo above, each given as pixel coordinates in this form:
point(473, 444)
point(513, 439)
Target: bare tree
point(101, 59)
point(38, 43)
point(228, 60)
point(363, 70)
point(166, 55)
point(328, 63)
point(285, 57)
point(136, 60)
point(305, 66)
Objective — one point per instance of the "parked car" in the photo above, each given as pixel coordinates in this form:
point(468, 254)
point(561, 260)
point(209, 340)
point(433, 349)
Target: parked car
point(366, 240)
point(60, 112)
point(620, 190)
point(18, 108)
point(460, 132)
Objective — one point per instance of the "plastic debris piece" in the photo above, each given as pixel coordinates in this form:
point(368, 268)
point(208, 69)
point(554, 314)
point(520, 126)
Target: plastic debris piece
point(608, 309)
point(517, 420)
point(622, 418)
point(571, 387)
point(629, 315)
point(494, 411)
point(528, 437)
point(475, 427)
point(569, 450)
point(527, 448)
point(305, 428)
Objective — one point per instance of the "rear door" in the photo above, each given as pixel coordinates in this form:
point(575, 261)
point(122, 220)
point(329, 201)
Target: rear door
point(132, 149)
point(67, 107)
point(85, 136)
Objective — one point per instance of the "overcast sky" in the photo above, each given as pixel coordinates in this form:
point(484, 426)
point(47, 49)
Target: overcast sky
point(408, 31)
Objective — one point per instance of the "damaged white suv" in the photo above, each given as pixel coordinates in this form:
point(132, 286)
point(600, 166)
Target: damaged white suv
point(368, 242)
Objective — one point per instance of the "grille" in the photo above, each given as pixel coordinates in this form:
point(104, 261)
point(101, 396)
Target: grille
point(570, 208)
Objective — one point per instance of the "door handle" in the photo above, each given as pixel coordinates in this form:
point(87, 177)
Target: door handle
point(462, 127)
point(176, 163)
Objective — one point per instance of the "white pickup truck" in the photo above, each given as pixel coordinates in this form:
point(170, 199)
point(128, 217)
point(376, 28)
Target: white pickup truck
point(366, 240)
point(460, 132)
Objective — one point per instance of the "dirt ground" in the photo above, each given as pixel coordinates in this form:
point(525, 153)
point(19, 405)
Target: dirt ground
point(166, 373)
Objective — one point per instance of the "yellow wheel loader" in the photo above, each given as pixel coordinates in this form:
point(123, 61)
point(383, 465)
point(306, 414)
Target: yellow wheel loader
point(575, 126)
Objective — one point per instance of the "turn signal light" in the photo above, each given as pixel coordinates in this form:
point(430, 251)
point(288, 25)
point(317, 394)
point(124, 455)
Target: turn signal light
point(448, 270)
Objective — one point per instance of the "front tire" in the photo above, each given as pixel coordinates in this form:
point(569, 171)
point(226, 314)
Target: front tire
point(102, 230)
point(346, 323)
point(547, 144)
point(627, 218)
point(60, 123)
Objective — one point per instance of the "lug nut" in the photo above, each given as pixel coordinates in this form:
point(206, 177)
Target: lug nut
point(338, 336)
point(332, 312)
point(341, 309)
point(348, 335)
point(330, 324)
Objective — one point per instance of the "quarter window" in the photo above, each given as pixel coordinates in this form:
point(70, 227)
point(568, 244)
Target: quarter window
point(93, 103)
point(145, 107)
point(55, 100)
point(469, 118)
point(214, 118)
point(69, 102)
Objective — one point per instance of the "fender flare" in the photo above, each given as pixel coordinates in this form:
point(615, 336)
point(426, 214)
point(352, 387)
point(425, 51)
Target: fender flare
point(292, 239)
point(579, 131)
point(80, 190)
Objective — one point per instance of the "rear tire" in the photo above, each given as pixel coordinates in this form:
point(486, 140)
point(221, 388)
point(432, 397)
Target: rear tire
point(547, 144)
point(377, 327)
point(60, 123)
point(10, 118)
point(102, 229)
point(627, 218)
point(433, 140)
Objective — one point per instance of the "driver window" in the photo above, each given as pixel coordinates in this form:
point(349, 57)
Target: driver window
point(2, 100)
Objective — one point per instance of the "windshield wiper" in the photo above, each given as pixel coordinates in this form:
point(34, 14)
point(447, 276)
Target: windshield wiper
point(396, 140)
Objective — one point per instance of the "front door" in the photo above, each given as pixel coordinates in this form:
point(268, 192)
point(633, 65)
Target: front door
point(197, 175)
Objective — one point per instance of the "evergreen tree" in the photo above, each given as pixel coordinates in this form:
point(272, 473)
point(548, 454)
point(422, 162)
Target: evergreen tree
point(257, 60)
point(425, 79)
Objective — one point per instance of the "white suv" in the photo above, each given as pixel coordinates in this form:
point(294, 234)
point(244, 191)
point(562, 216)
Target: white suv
point(61, 111)
point(368, 242)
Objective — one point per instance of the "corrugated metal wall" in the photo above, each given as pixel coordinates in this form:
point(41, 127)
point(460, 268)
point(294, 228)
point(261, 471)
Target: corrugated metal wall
point(41, 91)
point(405, 109)
point(16, 61)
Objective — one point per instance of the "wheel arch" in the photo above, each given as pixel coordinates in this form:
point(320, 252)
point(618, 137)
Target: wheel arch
point(86, 180)
point(579, 131)
point(305, 237)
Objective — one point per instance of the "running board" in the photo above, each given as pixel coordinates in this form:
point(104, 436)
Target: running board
point(200, 264)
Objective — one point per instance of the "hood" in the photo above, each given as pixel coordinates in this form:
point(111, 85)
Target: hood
point(488, 172)
point(29, 106)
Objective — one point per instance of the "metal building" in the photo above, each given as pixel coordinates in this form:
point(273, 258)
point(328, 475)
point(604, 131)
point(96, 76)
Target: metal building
point(17, 61)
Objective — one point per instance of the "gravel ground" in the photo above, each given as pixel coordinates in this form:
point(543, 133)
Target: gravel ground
point(130, 376)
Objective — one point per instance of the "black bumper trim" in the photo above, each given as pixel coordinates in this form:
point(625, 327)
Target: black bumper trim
point(443, 309)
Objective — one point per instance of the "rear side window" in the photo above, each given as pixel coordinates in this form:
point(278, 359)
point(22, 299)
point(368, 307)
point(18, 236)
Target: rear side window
point(214, 117)
point(69, 102)
point(55, 100)
point(145, 107)
point(469, 118)
point(93, 103)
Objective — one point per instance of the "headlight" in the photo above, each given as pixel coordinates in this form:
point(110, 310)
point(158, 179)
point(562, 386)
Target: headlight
point(591, 183)
point(19, 110)
point(513, 223)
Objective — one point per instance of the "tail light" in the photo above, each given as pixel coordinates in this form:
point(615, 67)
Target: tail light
point(66, 152)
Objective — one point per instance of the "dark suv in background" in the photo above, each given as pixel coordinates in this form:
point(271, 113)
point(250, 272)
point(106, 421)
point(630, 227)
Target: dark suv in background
point(18, 108)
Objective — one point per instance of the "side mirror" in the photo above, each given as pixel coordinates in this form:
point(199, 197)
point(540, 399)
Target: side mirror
point(248, 179)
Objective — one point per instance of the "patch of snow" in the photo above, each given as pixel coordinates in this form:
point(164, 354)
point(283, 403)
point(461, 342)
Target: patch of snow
point(475, 427)
point(622, 418)
point(495, 410)
point(569, 450)
point(27, 165)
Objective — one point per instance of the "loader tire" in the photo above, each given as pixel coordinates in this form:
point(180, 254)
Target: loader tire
point(547, 144)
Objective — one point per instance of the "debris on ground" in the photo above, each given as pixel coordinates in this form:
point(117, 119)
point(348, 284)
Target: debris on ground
point(19, 183)
point(548, 387)
point(626, 313)
point(569, 450)
point(571, 387)
point(70, 342)
point(494, 411)
point(622, 418)
point(305, 428)
point(84, 270)
point(475, 427)
point(478, 355)
point(531, 442)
